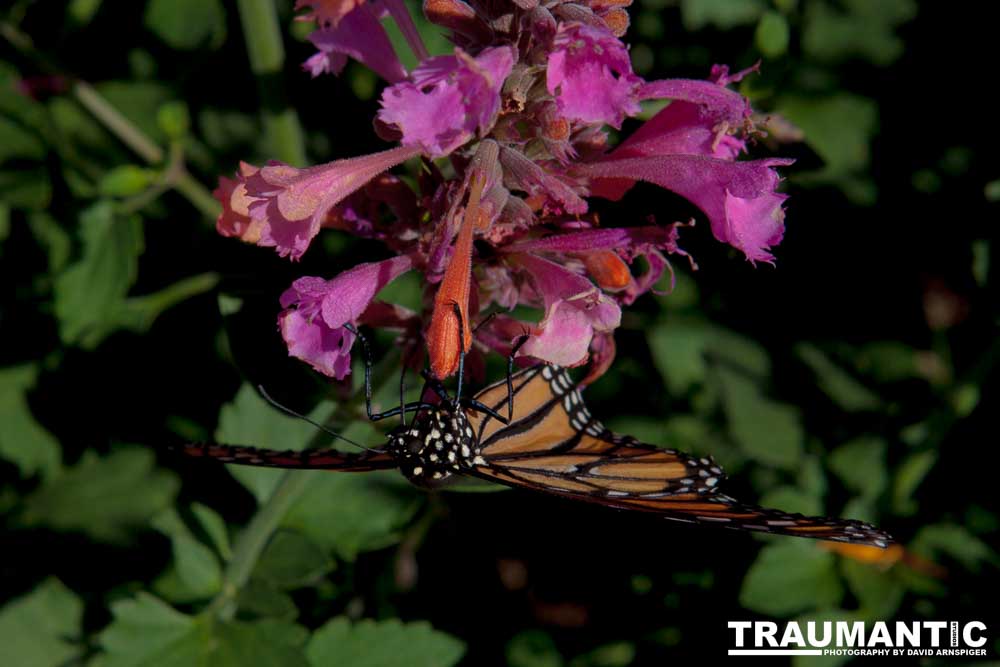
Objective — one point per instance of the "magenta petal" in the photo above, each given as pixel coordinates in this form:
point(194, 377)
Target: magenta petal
point(624, 239)
point(327, 350)
point(348, 294)
point(719, 104)
point(449, 99)
point(290, 204)
point(590, 75)
point(359, 35)
point(564, 337)
point(574, 309)
point(317, 310)
point(738, 197)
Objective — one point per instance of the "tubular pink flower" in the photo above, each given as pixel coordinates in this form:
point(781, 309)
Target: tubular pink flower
point(590, 75)
point(448, 99)
point(290, 204)
point(629, 243)
point(574, 310)
point(235, 217)
point(738, 197)
point(317, 310)
point(357, 34)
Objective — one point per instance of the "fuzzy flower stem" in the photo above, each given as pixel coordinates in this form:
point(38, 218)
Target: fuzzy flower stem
point(267, 58)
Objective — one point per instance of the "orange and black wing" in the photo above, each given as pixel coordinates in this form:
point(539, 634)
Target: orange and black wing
point(554, 445)
point(306, 459)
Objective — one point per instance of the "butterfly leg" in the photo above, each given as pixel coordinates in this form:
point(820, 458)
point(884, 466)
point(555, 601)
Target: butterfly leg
point(377, 416)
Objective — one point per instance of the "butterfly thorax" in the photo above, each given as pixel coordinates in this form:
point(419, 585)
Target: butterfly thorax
point(436, 445)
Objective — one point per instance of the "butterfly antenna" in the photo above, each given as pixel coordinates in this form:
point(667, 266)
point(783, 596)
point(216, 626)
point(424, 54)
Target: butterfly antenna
point(287, 410)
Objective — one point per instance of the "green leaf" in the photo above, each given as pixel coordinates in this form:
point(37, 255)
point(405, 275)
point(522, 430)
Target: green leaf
point(174, 119)
point(146, 631)
point(955, 541)
point(138, 313)
point(840, 129)
point(835, 382)
point(681, 350)
point(533, 648)
point(18, 142)
point(381, 643)
point(291, 560)
point(351, 513)
point(617, 654)
point(197, 567)
point(861, 465)
point(53, 238)
point(250, 420)
point(790, 577)
point(790, 499)
point(82, 11)
point(887, 361)
point(26, 187)
point(878, 592)
point(766, 430)
point(187, 24)
point(771, 36)
point(827, 615)
point(865, 30)
point(909, 475)
point(265, 600)
point(93, 289)
point(126, 180)
point(722, 14)
point(215, 527)
point(23, 441)
point(107, 498)
point(41, 628)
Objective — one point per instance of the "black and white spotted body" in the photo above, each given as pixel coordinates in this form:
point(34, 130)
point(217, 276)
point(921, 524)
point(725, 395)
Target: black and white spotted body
point(436, 445)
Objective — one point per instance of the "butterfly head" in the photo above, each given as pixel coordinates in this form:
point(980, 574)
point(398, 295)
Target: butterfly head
point(436, 445)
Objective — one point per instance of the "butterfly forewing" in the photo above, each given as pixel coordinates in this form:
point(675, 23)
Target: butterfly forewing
point(313, 459)
point(554, 445)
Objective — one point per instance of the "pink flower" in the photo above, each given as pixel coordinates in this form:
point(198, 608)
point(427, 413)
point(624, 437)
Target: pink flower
point(235, 219)
point(590, 75)
point(448, 99)
point(359, 35)
point(290, 204)
point(317, 310)
point(739, 198)
point(574, 310)
point(687, 148)
point(595, 247)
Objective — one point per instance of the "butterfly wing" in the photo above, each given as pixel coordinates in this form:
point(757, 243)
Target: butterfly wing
point(554, 445)
point(311, 459)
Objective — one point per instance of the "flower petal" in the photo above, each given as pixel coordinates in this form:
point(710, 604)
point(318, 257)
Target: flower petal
point(290, 204)
point(590, 75)
point(316, 311)
point(738, 197)
point(358, 35)
point(449, 99)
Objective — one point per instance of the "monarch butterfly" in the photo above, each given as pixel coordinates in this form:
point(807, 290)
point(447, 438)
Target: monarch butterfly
point(550, 442)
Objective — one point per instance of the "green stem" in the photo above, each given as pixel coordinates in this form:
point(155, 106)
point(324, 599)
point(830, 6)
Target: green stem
point(262, 36)
point(251, 542)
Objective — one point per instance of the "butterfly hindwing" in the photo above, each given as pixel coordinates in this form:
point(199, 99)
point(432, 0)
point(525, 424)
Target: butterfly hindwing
point(554, 445)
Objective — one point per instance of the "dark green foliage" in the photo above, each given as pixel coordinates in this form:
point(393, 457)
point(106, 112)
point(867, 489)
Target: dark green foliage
point(856, 378)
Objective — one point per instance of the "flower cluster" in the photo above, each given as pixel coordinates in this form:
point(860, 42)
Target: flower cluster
point(520, 108)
